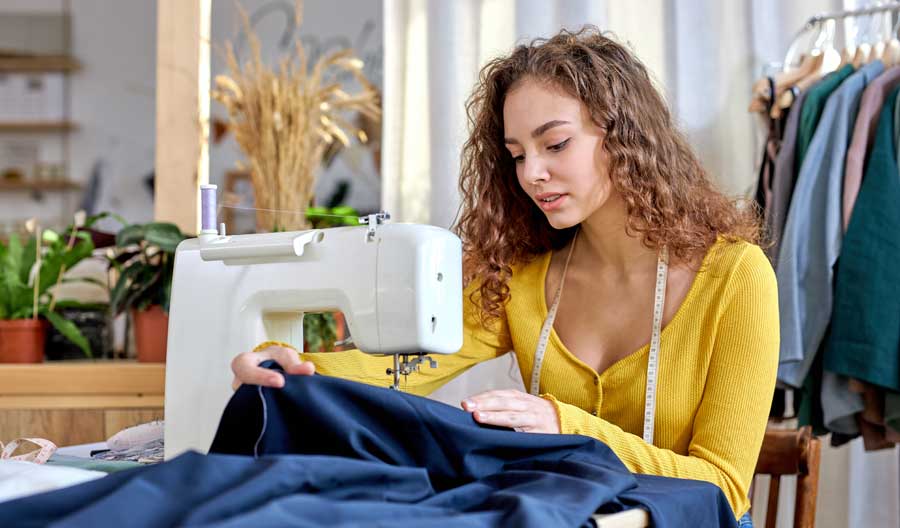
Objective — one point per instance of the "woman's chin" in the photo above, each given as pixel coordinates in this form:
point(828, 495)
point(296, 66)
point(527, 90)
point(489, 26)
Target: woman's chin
point(561, 222)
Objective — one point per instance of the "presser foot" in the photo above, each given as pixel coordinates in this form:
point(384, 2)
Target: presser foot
point(403, 366)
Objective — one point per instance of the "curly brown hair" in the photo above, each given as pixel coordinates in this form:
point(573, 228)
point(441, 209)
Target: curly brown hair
point(669, 198)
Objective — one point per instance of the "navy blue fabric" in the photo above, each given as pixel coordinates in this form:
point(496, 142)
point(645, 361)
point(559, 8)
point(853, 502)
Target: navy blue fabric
point(337, 453)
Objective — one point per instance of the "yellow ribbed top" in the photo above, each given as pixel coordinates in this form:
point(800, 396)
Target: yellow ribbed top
point(717, 367)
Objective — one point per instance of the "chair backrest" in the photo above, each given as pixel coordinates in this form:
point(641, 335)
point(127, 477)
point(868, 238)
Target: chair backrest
point(791, 452)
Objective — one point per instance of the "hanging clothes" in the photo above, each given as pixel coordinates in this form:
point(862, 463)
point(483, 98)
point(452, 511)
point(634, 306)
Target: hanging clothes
point(870, 107)
point(771, 146)
point(842, 400)
point(865, 333)
point(784, 177)
point(808, 252)
point(813, 108)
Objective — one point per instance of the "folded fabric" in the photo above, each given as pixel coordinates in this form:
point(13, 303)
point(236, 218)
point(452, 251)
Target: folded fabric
point(19, 478)
point(329, 452)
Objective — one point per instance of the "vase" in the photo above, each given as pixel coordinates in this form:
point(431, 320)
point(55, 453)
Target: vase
point(22, 340)
point(151, 332)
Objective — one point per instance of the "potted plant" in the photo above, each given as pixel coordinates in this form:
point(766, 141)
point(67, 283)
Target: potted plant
point(28, 273)
point(145, 262)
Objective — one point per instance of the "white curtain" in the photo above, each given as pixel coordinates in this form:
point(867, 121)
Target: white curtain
point(704, 55)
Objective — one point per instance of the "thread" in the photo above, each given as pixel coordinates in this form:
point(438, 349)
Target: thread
point(208, 207)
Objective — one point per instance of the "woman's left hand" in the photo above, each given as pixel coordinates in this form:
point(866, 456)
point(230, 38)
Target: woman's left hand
point(514, 409)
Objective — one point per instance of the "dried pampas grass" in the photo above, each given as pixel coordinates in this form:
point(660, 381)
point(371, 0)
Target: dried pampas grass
point(285, 119)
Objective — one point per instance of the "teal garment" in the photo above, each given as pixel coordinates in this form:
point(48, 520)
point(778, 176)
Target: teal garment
point(813, 107)
point(865, 322)
point(892, 410)
point(106, 466)
point(807, 398)
point(897, 125)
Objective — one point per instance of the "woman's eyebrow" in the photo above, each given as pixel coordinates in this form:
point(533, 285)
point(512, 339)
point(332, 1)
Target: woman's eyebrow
point(538, 131)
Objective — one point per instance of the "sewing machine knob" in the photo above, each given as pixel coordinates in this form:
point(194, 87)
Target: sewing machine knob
point(440, 277)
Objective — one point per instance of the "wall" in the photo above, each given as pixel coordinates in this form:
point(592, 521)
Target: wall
point(112, 102)
point(113, 97)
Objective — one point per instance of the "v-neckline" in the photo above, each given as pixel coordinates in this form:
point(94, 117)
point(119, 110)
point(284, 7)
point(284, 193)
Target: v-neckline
point(639, 352)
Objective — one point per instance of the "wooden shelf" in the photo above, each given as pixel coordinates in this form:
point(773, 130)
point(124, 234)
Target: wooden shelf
point(77, 402)
point(49, 185)
point(82, 385)
point(37, 126)
point(38, 63)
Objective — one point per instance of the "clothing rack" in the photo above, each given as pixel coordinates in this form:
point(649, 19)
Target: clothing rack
point(852, 13)
point(827, 20)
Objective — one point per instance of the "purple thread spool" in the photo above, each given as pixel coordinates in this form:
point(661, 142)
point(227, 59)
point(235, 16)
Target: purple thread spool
point(208, 208)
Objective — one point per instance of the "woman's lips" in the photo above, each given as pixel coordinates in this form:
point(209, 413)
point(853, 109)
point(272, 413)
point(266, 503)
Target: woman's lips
point(552, 205)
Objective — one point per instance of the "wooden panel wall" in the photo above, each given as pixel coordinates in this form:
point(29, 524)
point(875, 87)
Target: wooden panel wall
point(182, 110)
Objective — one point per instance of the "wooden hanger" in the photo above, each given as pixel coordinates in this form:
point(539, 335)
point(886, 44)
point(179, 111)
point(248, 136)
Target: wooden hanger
point(783, 81)
point(891, 56)
point(862, 55)
point(786, 98)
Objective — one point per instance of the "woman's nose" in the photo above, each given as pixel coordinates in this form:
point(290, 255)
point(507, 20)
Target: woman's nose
point(536, 171)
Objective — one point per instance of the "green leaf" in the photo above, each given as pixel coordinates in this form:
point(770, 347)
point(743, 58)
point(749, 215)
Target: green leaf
point(80, 251)
point(50, 236)
point(316, 211)
point(29, 255)
point(13, 260)
point(71, 303)
point(140, 291)
point(128, 235)
point(93, 219)
point(121, 289)
point(69, 330)
point(163, 234)
point(25, 312)
point(345, 210)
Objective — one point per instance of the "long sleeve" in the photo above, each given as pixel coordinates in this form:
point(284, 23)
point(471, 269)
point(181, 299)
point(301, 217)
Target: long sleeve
point(730, 422)
point(479, 344)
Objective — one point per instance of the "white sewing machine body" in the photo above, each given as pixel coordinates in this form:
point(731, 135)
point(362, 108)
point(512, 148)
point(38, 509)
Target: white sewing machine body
point(399, 287)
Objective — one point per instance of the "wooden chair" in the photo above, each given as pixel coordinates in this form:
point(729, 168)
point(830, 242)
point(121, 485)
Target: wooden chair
point(791, 452)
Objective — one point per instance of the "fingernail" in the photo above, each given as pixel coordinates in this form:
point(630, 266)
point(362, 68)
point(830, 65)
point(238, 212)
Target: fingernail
point(469, 404)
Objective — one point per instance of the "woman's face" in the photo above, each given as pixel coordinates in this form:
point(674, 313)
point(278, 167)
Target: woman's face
point(558, 152)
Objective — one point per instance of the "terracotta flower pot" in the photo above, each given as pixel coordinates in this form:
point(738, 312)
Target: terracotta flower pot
point(151, 332)
point(22, 340)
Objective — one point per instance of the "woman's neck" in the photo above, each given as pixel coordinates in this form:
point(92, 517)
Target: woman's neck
point(604, 244)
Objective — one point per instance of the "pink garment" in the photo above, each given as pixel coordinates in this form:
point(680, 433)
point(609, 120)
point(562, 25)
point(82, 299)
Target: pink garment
point(863, 134)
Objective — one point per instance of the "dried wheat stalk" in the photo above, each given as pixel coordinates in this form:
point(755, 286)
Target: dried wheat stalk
point(284, 119)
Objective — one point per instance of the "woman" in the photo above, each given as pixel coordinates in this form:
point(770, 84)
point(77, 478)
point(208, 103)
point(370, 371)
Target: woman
point(575, 179)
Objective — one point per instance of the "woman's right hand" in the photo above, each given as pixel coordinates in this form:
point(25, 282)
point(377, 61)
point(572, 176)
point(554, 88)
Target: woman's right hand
point(247, 370)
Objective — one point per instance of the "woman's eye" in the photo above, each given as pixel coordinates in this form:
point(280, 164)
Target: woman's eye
point(519, 159)
point(559, 146)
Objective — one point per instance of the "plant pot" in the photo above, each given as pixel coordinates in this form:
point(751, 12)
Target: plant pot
point(22, 340)
point(151, 332)
point(95, 324)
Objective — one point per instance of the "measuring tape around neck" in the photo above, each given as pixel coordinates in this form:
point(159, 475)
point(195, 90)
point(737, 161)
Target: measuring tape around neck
point(659, 300)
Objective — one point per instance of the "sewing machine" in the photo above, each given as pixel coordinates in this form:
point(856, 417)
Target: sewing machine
point(399, 287)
